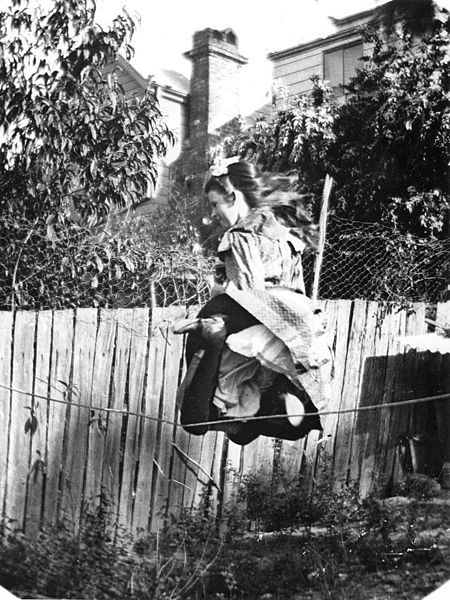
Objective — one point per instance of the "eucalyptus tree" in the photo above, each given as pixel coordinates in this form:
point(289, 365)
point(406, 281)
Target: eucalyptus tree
point(388, 146)
point(72, 145)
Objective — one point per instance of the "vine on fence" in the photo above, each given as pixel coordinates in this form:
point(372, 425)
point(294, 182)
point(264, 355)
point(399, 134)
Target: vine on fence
point(45, 266)
point(375, 262)
point(120, 265)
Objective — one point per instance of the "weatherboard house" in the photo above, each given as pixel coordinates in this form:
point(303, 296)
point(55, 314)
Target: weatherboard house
point(200, 111)
point(204, 109)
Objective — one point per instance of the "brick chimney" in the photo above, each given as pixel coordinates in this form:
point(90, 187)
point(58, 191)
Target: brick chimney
point(214, 96)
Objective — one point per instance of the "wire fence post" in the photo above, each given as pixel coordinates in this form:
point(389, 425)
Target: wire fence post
point(322, 235)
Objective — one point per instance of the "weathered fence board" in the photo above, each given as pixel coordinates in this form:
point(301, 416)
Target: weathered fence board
point(192, 470)
point(339, 315)
point(21, 416)
point(351, 364)
point(104, 352)
point(136, 377)
point(155, 366)
point(111, 461)
point(233, 473)
point(6, 327)
point(61, 453)
point(60, 390)
point(187, 452)
point(167, 412)
point(35, 482)
point(204, 478)
point(367, 423)
point(217, 470)
point(387, 443)
point(76, 442)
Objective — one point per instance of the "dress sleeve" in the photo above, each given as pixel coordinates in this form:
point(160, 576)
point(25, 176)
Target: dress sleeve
point(243, 262)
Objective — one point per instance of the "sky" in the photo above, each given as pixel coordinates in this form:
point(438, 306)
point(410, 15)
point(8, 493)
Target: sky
point(262, 26)
point(166, 28)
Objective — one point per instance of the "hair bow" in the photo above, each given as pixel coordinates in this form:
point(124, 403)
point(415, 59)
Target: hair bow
point(220, 165)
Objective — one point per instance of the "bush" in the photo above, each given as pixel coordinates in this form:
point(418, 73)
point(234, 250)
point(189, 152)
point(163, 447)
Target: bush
point(45, 265)
point(101, 561)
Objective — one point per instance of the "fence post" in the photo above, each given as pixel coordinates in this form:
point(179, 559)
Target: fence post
point(322, 234)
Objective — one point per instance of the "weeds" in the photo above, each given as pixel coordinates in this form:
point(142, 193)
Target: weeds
point(328, 545)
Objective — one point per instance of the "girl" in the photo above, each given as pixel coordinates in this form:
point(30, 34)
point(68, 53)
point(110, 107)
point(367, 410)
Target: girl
point(255, 349)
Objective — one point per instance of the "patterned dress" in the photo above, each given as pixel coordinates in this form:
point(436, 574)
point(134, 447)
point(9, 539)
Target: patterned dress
point(273, 344)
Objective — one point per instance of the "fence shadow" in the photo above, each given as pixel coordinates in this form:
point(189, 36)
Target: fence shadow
point(408, 438)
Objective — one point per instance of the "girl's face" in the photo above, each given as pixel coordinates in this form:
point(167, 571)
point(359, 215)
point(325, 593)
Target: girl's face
point(224, 207)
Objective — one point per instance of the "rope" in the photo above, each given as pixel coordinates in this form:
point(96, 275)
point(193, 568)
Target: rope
point(322, 413)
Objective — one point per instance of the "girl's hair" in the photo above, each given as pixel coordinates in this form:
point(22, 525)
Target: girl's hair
point(272, 190)
point(243, 177)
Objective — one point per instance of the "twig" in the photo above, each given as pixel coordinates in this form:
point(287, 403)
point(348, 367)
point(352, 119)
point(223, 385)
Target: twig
point(197, 465)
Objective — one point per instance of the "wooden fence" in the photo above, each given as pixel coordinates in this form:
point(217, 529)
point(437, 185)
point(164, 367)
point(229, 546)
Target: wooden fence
point(59, 450)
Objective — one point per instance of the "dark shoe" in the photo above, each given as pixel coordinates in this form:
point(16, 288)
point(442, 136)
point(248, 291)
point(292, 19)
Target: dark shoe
point(212, 330)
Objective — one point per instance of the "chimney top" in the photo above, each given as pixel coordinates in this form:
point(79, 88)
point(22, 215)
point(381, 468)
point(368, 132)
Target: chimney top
point(212, 41)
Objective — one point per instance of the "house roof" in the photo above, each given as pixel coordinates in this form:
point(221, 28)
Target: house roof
point(347, 27)
point(318, 42)
point(126, 66)
point(165, 78)
point(172, 79)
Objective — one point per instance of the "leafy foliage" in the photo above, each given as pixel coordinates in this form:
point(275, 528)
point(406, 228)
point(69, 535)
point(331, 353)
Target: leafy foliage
point(297, 138)
point(101, 560)
point(120, 264)
point(72, 146)
point(386, 147)
point(358, 546)
point(390, 154)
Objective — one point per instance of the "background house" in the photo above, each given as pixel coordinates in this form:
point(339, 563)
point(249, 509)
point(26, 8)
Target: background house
point(334, 58)
point(203, 110)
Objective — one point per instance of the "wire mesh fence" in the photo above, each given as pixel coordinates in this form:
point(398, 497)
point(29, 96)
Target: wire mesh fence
point(48, 266)
point(375, 262)
point(45, 266)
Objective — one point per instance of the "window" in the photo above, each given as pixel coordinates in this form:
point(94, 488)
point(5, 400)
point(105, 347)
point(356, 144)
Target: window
point(340, 65)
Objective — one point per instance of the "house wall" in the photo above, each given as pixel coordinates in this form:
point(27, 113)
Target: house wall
point(173, 101)
point(294, 68)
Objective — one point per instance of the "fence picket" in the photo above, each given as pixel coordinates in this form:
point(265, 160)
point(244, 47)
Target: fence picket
point(21, 417)
point(165, 450)
point(373, 377)
point(387, 441)
point(179, 467)
point(104, 352)
point(76, 443)
point(338, 314)
point(38, 440)
point(60, 378)
point(184, 473)
point(233, 473)
point(415, 323)
point(291, 456)
point(6, 348)
point(206, 461)
point(143, 500)
point(111, 461)
point(217, 471)
point(194, 452)
point(136, 378)
point(350, 393)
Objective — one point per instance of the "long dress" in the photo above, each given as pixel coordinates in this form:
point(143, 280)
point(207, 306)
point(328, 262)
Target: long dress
point(272, 347)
